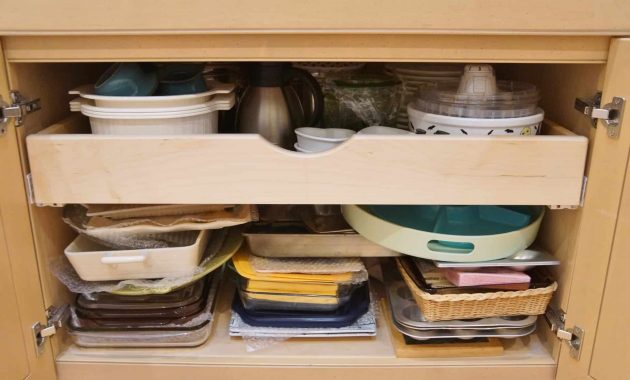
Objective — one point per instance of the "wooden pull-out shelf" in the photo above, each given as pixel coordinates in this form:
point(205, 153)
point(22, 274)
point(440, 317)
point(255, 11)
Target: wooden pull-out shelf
point(67, 167)
point(223, 357)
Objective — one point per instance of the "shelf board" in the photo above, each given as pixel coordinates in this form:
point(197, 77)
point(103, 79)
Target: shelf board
point(232, 354)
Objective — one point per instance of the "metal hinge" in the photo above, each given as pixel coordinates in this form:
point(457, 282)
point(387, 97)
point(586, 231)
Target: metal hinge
point(55, 319)
point(610, 114)
point(19, 107)
point(30, 191)
point(572, 336)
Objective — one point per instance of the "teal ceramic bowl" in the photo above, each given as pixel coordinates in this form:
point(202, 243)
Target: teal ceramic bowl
point(181, 79)
point(126, 79)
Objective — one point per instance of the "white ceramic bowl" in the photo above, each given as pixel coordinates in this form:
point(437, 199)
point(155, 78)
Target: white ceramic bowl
point(300, 149)
point(433, 124)
point(379, 130)
point(321, 139)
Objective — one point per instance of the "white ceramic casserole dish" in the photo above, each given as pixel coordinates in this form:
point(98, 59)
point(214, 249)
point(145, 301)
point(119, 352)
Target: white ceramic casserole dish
point(94, 262)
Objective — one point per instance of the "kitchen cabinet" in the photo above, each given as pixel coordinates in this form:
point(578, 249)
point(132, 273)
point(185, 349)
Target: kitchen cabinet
point(566, 58)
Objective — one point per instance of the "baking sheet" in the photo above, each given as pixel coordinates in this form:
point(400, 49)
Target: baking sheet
point(463, 334)
point(407, 313)
point(523, 260)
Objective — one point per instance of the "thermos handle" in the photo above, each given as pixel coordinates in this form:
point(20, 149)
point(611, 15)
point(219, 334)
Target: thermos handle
point(316, 91)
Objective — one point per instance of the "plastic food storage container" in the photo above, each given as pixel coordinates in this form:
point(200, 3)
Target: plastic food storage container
point(183, 120)
point(93, 262)
point(476, 105)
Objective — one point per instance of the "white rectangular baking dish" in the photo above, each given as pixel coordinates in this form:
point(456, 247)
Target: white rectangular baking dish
point(94, 262)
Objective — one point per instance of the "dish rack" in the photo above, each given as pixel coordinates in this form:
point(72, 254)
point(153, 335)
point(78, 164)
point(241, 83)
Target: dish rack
point(445, 307)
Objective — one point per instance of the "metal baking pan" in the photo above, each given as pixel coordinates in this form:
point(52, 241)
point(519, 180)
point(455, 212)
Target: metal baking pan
point(408, 314)
point(462, 333)
point(267, 242)
point(523, 260)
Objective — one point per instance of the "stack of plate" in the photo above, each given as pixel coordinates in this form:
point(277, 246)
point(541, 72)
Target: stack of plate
point(417, 76)
point(306, 297)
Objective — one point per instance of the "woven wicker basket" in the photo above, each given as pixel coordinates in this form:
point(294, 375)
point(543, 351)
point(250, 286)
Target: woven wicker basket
point(444, 307)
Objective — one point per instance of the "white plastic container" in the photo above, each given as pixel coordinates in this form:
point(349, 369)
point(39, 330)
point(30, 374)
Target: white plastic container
point(94, 262)
point(434, 124)
point(184, 120)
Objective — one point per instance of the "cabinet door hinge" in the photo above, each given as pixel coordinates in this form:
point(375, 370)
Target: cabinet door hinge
point(19, 107)
point(55, 319)
point(572, 336)
point(610, 114)
point(30, 192)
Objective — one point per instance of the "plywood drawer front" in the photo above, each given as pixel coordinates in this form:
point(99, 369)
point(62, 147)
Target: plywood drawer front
point(75, 168)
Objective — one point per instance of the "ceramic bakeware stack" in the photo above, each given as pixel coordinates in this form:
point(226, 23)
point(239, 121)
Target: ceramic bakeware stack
point(146, 274)
point(300, 297)
point(186, 114)
point(418, 76)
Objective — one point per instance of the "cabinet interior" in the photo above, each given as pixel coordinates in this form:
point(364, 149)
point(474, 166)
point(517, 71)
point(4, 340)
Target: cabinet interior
point(559, 85)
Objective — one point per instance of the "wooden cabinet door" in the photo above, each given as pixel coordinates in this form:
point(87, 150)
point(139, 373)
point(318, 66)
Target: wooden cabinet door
point(20, 286)
point(611, 355)
point(14, 363)
point(598, 303)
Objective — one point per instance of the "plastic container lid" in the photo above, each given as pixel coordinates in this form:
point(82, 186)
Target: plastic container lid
point(478, 95)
